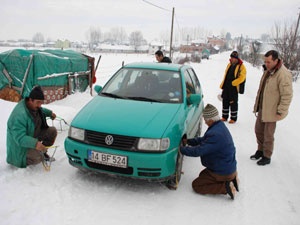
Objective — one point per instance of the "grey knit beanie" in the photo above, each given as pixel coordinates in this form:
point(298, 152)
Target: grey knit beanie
point(210, 112)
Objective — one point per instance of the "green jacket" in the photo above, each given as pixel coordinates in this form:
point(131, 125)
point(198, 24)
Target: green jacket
point(20, 132)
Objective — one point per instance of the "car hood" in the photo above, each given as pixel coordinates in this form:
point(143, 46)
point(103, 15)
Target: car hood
point(126, 117)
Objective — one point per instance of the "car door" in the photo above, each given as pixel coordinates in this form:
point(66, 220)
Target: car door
point(198, 90)
point(193, 112)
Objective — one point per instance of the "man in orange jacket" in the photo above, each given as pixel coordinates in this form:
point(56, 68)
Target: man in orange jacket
point(235, 74)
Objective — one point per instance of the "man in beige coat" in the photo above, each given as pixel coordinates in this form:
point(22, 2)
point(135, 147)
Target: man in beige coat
point(271, 105)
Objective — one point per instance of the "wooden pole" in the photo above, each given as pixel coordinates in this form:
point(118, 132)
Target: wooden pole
point(26, 74)
point(171, 38)
point(296, 31)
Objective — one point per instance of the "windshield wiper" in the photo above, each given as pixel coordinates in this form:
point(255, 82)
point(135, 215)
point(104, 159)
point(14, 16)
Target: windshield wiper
point(111, 95)
point(144, 99)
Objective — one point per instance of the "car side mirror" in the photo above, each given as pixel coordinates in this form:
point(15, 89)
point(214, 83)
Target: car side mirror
point(97, 88)
point(194, 99)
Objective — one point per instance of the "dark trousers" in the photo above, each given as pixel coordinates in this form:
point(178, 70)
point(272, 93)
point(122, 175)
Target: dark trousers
point(47, 136)
point(211, 183)
point(265, 135)
point(230, 105)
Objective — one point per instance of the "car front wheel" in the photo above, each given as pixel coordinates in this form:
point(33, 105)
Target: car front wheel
point(199, 130)
point(174, 181)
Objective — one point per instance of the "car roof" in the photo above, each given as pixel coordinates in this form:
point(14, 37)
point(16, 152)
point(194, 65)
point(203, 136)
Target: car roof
point(156, 66)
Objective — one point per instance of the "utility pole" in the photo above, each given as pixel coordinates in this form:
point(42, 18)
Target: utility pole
point(171, 39)
point(173, 11)
point(296, 31)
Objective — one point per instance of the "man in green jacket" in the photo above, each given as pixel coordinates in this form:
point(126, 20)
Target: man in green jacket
point(272, 102)
point(28, 134)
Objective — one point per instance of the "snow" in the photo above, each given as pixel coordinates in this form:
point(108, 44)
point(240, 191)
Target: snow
point(65, 195)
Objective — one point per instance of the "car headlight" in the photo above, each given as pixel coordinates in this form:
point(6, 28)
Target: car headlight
point(76, 133)
point(153, 144)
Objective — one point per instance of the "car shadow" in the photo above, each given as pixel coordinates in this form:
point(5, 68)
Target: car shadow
point(115, 181)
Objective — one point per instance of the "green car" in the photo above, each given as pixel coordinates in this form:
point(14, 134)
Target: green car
point(135, 125)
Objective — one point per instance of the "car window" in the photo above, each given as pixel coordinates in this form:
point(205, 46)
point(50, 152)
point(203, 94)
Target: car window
point(190, 89)
point(145, 85)
point(117, 81)
point(195, 81)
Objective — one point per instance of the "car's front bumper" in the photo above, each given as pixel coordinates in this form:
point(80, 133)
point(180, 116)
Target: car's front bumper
point(141, 165)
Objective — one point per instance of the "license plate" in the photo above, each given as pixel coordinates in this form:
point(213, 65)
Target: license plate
point(107, 159)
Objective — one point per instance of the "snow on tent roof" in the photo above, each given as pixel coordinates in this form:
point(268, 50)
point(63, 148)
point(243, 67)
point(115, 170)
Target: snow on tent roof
point(25, 67)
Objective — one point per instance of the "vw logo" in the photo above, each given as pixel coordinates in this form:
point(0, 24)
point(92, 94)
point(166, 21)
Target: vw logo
point(109, 140)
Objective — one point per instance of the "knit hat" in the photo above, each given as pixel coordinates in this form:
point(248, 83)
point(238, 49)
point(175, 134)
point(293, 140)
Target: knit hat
point(37, 93)
point(234, 54)
point(210, 112)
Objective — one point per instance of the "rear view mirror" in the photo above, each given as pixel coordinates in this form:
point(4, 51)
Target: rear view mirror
point(194, 99)
point(97, 88)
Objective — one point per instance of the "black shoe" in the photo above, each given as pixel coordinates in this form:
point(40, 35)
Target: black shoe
point(171, 185)
point(48, 158)
point(264, 161)
point(258, 154)
point(235, 183)
point(230, 189)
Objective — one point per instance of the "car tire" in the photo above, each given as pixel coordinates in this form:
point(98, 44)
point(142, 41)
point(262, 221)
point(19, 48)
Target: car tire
point(199, 131)
point(172, 184)
point(179, 163)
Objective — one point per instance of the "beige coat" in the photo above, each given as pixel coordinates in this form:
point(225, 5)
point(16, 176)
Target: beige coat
point(277, 95)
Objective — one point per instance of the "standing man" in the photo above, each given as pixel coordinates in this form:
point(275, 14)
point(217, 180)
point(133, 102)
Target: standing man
point(161, 58)
point(235, 74)
point(27, 131)
point(217, 152)
point(271, 105)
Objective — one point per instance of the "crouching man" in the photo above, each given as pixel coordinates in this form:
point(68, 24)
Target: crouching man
point(28, 134)
point(217, 152)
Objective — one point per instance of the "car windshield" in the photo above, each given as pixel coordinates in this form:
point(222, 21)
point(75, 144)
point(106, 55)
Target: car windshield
point(145, 85)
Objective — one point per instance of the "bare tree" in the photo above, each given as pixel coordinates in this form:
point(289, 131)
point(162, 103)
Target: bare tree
point(265, 37)
point(118, 35)
point(107, 37)
point(94, 36)
point(194, 33)
point(38, 38)
point(240, 44)
point(228, 36)
point(165, 37)
point(255, 52)
point(287, 43)
point(136, 39)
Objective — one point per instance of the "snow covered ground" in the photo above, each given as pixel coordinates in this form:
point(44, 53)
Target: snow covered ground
point(268, 195)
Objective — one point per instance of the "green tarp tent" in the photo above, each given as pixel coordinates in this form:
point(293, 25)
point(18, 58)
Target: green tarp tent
point(52, 69)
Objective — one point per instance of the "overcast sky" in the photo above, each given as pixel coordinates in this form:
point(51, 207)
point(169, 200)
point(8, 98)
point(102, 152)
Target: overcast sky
point(73, 18)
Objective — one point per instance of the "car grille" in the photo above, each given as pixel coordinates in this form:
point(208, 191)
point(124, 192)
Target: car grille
point(119, 141)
